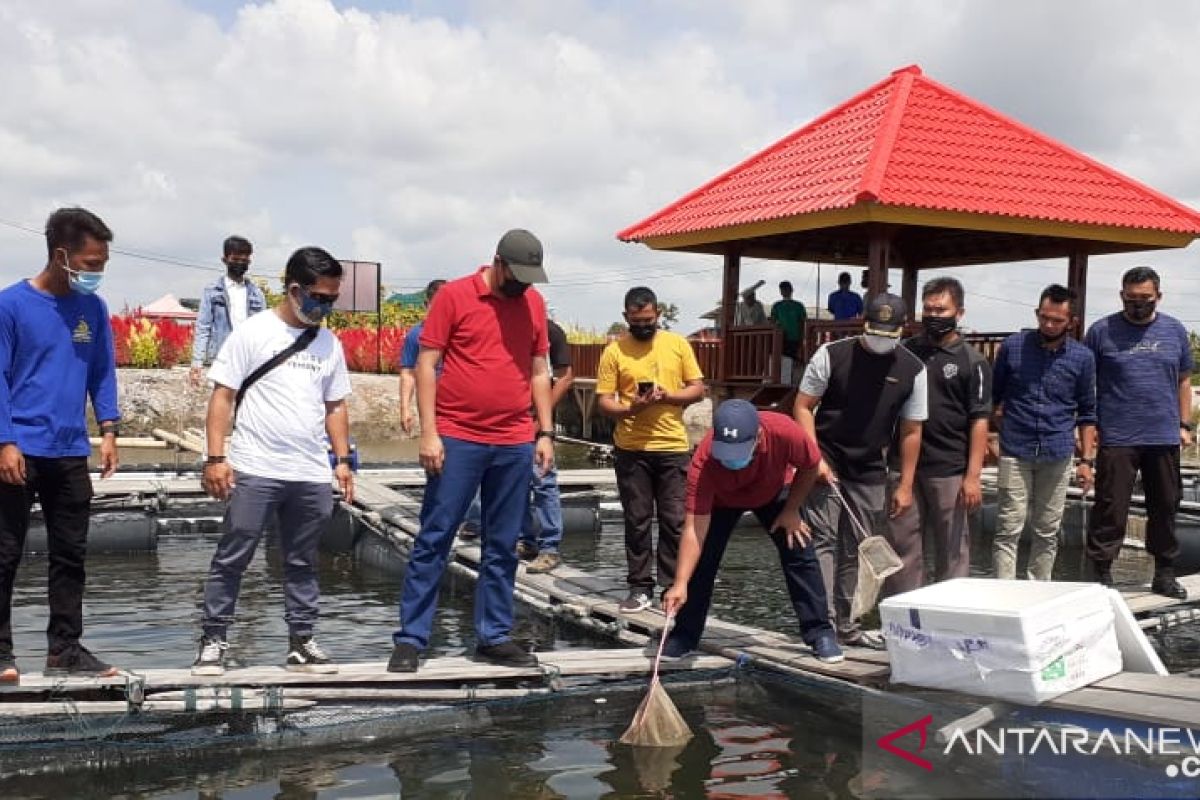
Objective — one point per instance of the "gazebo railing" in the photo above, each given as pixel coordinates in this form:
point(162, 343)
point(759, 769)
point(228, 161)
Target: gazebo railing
point(708, 356)
point(752, 354)
point(820, 332)
point(755, 352)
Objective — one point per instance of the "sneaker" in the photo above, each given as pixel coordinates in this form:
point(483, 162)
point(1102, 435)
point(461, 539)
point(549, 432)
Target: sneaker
point(467, 533)
point(638, 600)
point(506, 654)
point(872, 640)
point(526, 551)
point(305, 655)
point(210, 656)
point(1164, 583)
point(826, 649)
point(76, 659)
point(544, 562)
point(673, 650)
point(8, 669)
point(405, 658)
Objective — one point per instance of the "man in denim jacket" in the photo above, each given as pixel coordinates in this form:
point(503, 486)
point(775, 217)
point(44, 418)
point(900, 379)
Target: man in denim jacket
point(227, 302)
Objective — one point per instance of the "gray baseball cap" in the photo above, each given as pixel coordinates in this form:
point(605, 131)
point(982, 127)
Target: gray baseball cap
point(522, 252)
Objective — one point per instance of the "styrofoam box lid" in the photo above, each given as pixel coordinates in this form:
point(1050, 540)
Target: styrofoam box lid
point(993, 595)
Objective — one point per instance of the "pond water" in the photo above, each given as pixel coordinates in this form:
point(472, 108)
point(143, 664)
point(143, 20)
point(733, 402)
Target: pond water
point(759, 737)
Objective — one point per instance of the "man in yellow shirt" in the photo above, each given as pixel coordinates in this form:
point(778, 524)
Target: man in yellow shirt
point(644, 381)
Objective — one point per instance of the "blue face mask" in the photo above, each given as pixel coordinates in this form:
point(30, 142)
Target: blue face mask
point(310, 310)
point(81, 281)
point(741, 463)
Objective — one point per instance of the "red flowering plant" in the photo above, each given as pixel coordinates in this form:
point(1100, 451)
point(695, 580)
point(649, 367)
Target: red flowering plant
point(372, 350)
point(142, 342)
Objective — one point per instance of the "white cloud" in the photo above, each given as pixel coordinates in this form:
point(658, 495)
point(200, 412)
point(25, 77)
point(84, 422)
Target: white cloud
point(417, 140)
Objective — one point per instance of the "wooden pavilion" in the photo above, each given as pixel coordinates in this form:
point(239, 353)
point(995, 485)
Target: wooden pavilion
point(908, 174)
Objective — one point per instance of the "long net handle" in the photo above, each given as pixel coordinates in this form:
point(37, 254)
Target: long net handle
point(862, 531)
point(661, 644)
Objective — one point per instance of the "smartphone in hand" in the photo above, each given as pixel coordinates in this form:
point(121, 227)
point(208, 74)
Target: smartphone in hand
point(645, 387)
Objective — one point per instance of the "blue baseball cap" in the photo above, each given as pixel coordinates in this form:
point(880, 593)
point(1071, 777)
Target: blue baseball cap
point(735, 430)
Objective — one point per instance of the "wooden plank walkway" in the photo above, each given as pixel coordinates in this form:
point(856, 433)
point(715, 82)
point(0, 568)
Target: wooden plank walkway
point(415, 477)
point(1144, 601)
point(450, 670)
point(571, 592)
point(189, 483)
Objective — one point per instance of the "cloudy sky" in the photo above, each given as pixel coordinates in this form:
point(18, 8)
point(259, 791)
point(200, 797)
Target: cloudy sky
point(415, 133)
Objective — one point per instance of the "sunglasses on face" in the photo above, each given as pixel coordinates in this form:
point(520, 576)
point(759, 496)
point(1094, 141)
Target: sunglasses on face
point(318, 297)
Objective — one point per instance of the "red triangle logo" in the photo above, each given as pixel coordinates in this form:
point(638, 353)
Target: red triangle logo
point(920, 726)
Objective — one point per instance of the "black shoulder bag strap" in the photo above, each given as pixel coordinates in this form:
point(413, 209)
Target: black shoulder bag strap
point(302, 342)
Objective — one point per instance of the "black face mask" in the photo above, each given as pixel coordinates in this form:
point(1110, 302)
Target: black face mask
point(643, 333)
point(1140, 310)
point(513, 287)
point(236, 271)
point(939, 327)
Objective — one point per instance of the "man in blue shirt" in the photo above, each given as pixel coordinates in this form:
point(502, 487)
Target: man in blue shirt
point(1144, 413)
point(408, 365)
point(844, 303)
point(55, 351)
point(1043, 388)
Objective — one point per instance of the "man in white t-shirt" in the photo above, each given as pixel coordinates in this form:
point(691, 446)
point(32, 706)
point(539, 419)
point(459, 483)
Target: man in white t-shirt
point(277, 462)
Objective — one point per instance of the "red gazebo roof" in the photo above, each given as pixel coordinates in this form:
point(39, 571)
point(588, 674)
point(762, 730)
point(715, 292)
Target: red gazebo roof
point(911, 145)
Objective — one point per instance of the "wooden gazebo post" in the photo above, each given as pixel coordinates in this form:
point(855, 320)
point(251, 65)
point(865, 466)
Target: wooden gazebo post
point(1077, 266)
point(909, 290)
point(731, 276)
point(879, 245)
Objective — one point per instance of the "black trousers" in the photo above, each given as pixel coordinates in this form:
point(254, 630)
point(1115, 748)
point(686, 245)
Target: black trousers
point(648, 482)
point(801, 573)
point(1116, 469)
point(64, 489)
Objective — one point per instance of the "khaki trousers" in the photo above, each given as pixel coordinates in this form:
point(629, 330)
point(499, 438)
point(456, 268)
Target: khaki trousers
point(1042, 485)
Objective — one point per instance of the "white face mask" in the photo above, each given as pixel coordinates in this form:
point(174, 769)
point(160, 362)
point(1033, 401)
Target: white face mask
point(880, 345)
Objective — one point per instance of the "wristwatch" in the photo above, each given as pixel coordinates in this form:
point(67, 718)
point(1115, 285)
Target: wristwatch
point(214, 460)
point(1090, 462)
point(110, 427)
point(546, 435)
point(1187, 426)
point(347, 460)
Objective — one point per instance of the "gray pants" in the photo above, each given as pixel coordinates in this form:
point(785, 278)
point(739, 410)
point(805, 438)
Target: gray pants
point(936, 507)
point(303, 509)
point(1042, 485)
point(835, 540)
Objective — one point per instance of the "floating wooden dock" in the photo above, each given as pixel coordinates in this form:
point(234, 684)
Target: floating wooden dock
point(592, 600)
point(274, 688)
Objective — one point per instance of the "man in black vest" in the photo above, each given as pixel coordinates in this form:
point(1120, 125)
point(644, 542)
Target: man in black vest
point(854, 393)
point(952, 444)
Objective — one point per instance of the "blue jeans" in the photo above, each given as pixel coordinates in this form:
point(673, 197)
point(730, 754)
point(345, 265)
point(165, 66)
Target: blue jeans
point(543, 526)
point(544, 523)
point(474, 518)
point(801, 573)
point(501, 475)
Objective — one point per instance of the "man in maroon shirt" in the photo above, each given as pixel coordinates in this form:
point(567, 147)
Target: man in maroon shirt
point(765, 464)
point(488, 330)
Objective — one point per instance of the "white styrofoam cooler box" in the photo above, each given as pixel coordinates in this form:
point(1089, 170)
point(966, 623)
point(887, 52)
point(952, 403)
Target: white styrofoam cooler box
point(1024, 641)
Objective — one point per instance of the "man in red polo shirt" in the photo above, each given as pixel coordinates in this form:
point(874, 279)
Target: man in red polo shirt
point(488, 330)
point(765, 464)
